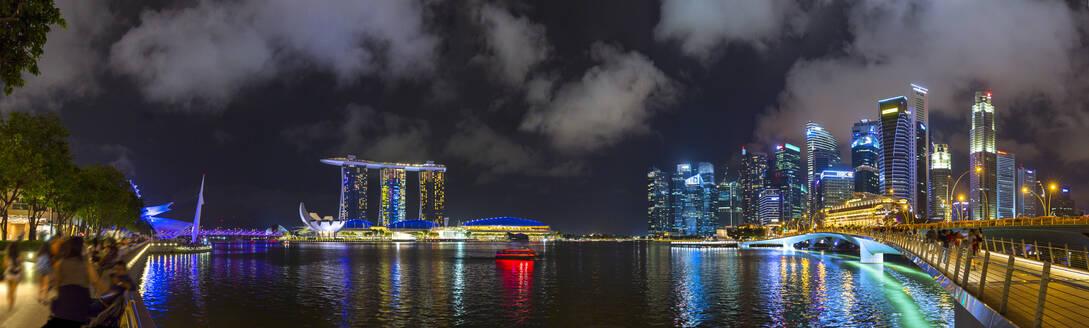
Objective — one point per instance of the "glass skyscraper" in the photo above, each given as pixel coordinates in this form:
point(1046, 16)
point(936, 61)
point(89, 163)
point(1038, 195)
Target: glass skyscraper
point(1027, 204)
point(707, 221)
point(982, 159)
point(771, 207)
point(353, 192)
point(865, 155)
point(897, 161)
point(658, 211)
point(678, 198)
point(918, 107)
point(753, 169)
point(940, 174)
point(787, 178)
point(729, 204)
point(1006, 192)
point(821, 154)
point(835, 187)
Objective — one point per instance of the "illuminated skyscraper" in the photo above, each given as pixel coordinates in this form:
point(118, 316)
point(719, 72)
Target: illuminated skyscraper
point(918, 107)
point(1062, 204)
point(753, 169)
point(771, 207)
point(1007, 184)
point(658, 212)
point(353, 192)
point(835, 187)
point(897, 163)
point(729, 204)
point(821, 153)
point(393, 196)
point(708, 200)
point(1027, 203)
point(940, 173)
point(982, 159)
point(433, 196)
point(680, 202)
point(865, 155)
point(787, 177)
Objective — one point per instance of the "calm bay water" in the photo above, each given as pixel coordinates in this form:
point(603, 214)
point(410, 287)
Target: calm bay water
point(571, 285)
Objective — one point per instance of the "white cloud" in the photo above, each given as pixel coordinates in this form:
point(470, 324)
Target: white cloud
point(702, 26)
point(612, 100)
point(517, 45)
point(208, 52)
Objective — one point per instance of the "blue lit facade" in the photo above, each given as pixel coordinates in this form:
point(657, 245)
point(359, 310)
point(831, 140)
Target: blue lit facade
point(679, 200)
point(353, 192)
point(787, 177)
point(835, 187)
point(753, 172)
point(865, 155)
point(658, 211)
point(393, 197)
point(897, 161)
point(1006, 192)
point(822, 153)
point(1027, 204)
point(729, 204)
point(921, 122)
point(771, 207)
point(412, 225)
point(708, 200)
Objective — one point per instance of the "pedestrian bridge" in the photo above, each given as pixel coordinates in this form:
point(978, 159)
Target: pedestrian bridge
point(869, 251)
point(1004, 284)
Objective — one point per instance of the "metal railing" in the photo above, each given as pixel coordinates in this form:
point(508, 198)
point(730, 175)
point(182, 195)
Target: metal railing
point(1011, 222)
point(1008, 277)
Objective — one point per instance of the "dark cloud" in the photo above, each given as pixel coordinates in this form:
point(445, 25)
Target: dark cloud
point(365, 132)
point(480, 145)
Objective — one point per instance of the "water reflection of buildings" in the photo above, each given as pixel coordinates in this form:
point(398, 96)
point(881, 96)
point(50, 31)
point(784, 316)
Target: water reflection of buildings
point(517, 279)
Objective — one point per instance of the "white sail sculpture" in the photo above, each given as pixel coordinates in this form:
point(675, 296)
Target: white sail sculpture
point(196, 218)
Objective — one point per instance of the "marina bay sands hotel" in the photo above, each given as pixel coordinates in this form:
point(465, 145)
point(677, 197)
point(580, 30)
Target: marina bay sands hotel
point(353, 190)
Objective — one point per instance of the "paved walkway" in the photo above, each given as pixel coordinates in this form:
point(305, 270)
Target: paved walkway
point(27, 311)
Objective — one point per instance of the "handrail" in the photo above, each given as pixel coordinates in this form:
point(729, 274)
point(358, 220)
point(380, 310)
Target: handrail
point(1027, 290)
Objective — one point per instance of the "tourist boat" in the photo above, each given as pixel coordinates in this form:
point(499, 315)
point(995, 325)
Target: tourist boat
point(516, 254)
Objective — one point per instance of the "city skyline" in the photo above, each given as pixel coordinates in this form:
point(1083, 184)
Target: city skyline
point(544, 115)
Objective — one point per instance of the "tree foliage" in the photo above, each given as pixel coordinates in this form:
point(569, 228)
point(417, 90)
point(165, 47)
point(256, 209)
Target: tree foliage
point(24, 26)
point(36, 168)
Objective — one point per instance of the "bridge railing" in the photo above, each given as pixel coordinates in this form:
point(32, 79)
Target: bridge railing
point(1026, 291)
point(1010, 222)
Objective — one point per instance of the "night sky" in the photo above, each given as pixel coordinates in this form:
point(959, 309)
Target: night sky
point(549, 110)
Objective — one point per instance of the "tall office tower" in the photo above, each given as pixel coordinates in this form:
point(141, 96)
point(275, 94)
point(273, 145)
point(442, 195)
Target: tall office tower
point(835, 187)
point(941, 165)
point(1027, 189)
point(982, 159)
point(821, 154)
point(392, 207)
point(677, 198)
point(921, 123)
point(753, 169)
point(787, 177)
point(1006, 191)
point(1062, 205)
point(897, 163)
point(692, 211)
point(353, 192)
point(771, 207)
point(658, 212)
point(729, 204)
point(432, 196)
point(865, 155)
point(708, 196)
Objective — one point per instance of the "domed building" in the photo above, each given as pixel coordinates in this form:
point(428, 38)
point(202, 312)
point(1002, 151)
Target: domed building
point(502, 227)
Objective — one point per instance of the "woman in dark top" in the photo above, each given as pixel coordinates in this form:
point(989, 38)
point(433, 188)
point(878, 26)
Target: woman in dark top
point(72, 275)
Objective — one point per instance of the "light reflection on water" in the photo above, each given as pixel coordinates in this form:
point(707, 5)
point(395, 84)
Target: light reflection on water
point(572, 284)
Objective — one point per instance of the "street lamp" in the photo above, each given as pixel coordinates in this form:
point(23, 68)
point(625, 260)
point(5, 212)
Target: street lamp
point(949, 195)
point(960, 211)
point(1029, 191)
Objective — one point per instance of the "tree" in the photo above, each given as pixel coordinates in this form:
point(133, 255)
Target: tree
point(28, 143)
point(110, 202)
point(24, 26)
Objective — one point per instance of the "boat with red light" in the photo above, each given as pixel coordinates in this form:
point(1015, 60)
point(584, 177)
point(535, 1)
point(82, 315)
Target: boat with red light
point(516, 254)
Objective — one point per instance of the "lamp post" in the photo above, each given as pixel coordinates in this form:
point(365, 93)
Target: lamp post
point(961, 211)
point(1029, 191)
point(949, 195)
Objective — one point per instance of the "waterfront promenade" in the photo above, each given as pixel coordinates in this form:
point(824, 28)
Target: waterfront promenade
point(27, 311)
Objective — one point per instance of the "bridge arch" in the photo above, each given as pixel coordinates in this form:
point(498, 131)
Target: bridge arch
point(869, 251)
